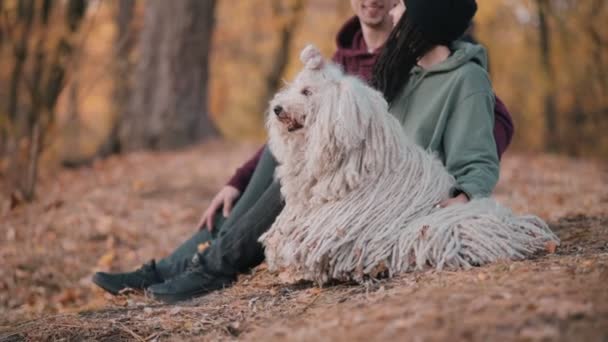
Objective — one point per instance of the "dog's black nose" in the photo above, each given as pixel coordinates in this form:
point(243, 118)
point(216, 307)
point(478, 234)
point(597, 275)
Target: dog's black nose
point(277, 110)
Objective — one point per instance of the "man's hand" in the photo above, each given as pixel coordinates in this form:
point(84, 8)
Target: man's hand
point(225, 198)
point(460, 199)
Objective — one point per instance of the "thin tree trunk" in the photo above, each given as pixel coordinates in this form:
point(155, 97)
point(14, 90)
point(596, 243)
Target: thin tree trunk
point(122, 71)
point(29, 189)
point(45, 85)
point(20, 54)
point(281, 53)
point(550, 108)
point(600, 45)
point(24, 24)
point(168, 107)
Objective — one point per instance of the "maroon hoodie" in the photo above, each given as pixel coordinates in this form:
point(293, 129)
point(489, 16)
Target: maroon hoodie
point(353, 55)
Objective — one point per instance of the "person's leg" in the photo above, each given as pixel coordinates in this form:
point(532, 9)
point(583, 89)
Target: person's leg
point(181, 258)
point(154, 272)
point(236, 251)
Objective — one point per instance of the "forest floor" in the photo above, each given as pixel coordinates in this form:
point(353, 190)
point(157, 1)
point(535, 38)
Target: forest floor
point(125, 210)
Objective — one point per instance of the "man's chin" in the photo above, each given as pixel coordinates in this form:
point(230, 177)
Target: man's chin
point(373, 22)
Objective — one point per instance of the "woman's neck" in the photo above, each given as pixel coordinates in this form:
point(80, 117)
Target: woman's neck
point(435, 56)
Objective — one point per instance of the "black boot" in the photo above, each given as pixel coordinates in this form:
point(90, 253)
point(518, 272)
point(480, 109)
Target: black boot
point(236, 251)
point(138, 279)
point(194, 282)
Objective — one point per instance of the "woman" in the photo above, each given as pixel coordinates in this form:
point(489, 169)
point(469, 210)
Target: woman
point(441, 96)
point(440, 91)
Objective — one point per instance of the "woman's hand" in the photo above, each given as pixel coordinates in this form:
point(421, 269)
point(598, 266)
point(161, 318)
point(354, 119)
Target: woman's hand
point(460, 199)
point(225, 198)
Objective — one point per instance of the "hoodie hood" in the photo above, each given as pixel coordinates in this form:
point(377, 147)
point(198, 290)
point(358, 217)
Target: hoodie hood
point(462, 53)
point(352, 51)
point(349, 40)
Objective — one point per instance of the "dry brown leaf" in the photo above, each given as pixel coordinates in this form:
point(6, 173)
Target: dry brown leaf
point(15, 200)
point(202, 246)
point(106, 260)
point(137, 185)
point(314, 291)
point(551, 247)
point(67, 296)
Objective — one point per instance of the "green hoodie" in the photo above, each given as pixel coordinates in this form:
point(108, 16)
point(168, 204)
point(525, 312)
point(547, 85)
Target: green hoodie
point(449, 110)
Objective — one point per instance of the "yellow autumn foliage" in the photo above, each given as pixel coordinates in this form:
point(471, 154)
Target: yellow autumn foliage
point(246, 38)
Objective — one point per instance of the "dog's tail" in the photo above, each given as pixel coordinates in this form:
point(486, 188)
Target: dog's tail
point(461, 236)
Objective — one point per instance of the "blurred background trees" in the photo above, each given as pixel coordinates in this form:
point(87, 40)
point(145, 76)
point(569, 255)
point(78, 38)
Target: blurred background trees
point(87, 78)
point(167, 105)
point(549, 60)
point(38, 41)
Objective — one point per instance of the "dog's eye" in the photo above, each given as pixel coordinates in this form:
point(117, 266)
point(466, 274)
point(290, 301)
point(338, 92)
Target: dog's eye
point(306, 92)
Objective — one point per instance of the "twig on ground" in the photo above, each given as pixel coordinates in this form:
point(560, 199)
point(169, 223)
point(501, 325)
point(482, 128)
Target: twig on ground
point(131, 332)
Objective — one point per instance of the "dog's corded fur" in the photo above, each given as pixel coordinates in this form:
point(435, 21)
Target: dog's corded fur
point(360, 195)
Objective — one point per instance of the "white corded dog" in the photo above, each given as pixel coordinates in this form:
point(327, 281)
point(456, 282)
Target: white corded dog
point(360, 195)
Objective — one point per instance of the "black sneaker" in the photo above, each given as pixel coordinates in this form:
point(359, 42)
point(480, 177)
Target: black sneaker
point(194, 282)
point(138, 279)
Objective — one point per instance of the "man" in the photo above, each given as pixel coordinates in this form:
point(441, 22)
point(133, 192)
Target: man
point(234, 248)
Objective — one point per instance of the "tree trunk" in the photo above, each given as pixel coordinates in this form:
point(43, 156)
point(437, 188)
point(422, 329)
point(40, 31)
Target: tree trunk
point(550, 108)
point(26, 13)
point(292, 13)
point(168, 105)
point(122, 71)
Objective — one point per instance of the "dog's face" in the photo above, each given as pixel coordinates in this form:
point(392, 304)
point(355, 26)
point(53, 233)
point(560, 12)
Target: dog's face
point(327, 118)
point(295, 107)
point(325, 105)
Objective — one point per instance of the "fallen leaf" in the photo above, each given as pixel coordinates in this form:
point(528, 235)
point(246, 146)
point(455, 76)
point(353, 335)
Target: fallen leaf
point(137, 185)
point(314, 291)
point(106, 260)
point(15, 200)
point(67, 296)
point(202, 246)
point(551, 247)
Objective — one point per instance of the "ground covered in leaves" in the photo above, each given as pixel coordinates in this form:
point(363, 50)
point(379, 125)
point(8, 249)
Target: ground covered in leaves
point(123, 211)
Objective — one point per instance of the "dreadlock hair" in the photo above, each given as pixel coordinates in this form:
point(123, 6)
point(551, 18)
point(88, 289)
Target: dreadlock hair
point(402, 50)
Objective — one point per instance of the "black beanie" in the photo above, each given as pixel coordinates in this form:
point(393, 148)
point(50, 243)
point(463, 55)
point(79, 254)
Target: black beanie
point(441, 21)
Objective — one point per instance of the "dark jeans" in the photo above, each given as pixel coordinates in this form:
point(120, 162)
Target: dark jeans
point(238, 250)
point(234, 247)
